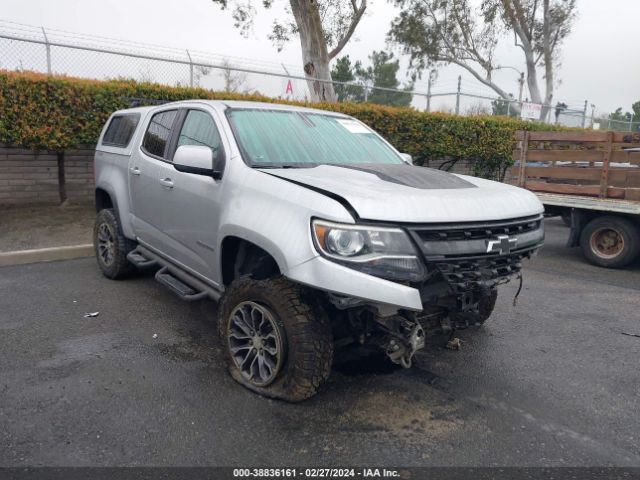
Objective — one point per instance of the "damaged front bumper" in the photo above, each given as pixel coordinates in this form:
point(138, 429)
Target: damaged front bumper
point(461, 259)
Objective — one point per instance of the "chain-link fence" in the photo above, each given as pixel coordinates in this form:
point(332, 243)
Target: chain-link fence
point(29, 48)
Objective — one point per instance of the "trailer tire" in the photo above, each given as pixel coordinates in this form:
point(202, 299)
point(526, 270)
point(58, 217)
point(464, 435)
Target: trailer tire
point(610, 242)
point(294, 338)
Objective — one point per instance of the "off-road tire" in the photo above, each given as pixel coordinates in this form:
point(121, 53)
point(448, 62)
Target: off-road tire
point(486, 306)
point(307, 338)
point(629, 233)
point(119, 267)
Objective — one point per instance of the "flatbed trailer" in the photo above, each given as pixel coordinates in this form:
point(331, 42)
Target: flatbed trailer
point(592, 180)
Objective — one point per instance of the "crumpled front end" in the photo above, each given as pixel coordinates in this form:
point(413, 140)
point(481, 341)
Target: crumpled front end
point(465, 262)
point(476, 255)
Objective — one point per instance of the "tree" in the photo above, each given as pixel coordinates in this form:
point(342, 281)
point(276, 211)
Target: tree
point(344, 71)
point(370, 83)
point(233, 81)
point(504, 107)
point(382, 73)
point(636, 111)
point(443, 32)
point(618, 116)
point(324, 27)
point(478, 109)
point(560, 107)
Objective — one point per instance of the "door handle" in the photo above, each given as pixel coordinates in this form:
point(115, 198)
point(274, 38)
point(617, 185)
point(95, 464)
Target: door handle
point(166, 183)
point(134, 171)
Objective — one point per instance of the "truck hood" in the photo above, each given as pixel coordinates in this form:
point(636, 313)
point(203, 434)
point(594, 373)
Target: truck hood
point(404, 193)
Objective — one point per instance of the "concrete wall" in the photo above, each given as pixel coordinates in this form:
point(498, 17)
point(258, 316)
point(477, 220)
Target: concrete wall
point(32, 178)
point(78, 167)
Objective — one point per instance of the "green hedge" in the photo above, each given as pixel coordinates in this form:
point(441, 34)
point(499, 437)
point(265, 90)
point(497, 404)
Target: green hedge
point(56, 113)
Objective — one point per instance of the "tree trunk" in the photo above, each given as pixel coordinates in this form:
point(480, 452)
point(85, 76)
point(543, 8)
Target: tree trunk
point(548, 58)
point(315, 56)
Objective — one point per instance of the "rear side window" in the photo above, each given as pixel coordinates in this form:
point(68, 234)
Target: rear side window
point(158, 133)
point(120, 130)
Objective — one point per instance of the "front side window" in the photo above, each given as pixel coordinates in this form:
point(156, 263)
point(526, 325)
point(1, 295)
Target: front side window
point(298, 139)
point(120, 130)
point(199, 129)
point(158, 133)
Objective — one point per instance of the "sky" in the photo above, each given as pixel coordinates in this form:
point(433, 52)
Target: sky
point(598, 60)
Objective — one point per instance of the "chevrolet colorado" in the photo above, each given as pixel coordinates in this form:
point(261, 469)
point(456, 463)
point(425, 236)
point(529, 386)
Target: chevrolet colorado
point(309, 229)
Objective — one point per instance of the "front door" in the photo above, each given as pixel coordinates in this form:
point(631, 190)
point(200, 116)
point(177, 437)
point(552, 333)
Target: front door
point(191, 209)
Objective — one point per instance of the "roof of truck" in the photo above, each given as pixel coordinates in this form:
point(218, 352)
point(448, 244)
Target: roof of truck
point(234, 104)
point(133, 110)
point(268, 106)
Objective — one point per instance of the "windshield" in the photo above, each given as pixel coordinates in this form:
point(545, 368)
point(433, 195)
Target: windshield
point(299, 139)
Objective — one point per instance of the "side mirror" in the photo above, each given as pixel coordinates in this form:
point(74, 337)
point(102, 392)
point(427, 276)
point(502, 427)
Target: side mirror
point(199, 160)
point(408, 159)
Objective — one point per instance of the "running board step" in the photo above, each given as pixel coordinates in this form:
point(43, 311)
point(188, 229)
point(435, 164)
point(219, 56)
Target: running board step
point(139, 260)
point(177, 286)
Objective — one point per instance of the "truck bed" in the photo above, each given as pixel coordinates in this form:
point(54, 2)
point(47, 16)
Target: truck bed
point(590, 203)
point(586, 169)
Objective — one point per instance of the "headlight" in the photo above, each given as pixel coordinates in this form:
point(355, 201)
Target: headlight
point(379, 251)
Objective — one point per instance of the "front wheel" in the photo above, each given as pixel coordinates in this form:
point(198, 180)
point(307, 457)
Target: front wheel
point(486, 305)
point(276, 344)
point(611, 242)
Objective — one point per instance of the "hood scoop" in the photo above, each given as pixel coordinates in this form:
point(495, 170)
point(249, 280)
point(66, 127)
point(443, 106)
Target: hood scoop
point(411, 176)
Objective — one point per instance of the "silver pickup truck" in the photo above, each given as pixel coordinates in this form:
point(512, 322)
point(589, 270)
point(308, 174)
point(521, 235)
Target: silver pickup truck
point(310, 230)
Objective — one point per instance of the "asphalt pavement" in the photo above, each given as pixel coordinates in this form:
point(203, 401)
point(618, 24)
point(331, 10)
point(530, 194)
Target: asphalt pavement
point(552, 381)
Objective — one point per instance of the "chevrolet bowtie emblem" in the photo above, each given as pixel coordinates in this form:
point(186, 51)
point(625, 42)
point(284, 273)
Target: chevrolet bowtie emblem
point(501, 245)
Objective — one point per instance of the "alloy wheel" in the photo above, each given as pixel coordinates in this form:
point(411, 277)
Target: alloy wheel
point(255, 342)
point(106, 244)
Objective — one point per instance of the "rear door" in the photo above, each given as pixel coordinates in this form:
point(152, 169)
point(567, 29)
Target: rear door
point(150, 178)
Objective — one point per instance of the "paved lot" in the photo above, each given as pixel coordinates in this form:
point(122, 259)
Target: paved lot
point(551, 382)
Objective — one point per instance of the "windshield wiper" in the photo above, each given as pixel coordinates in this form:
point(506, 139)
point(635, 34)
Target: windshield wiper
point(283, 165)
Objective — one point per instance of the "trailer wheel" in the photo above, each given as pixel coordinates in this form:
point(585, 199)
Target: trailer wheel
point(610, 242)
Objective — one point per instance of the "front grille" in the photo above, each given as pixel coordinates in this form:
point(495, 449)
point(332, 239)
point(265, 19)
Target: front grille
point(470, 240)
point(480, 254)
point(473, 231)
point(464, 275)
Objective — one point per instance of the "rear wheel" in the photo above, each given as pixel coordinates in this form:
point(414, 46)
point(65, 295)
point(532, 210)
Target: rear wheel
point(111, 246)
point(611, 242)
point(276, 344)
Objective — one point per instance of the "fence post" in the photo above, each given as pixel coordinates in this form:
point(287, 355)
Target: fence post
point(429, 94)
point(190, 69)
point(458, 95)
point(584, 114)
point(48, 47)
point(631, 123)
point(508, 108)
point(522, 174)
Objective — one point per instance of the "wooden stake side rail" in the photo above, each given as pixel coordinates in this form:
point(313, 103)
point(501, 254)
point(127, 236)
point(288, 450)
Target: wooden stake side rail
point(593, 164)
